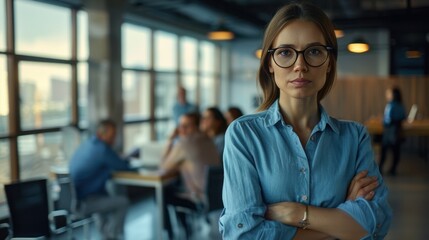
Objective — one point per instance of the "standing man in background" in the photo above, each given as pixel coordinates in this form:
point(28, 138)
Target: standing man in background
point(182, 105)
point(91, 168)
point(394, 115)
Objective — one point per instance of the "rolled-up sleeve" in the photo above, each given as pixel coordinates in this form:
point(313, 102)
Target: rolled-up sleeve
point(244, 208)
point(375, 215)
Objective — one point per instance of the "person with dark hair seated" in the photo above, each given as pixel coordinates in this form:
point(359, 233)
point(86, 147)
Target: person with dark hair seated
point(232, 113)
point(190, 155)
point(213, 123)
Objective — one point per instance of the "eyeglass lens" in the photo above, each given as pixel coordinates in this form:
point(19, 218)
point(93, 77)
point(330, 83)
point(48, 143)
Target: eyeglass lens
point(314, 56)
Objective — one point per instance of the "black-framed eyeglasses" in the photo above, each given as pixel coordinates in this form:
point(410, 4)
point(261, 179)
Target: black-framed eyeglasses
point(314, 56)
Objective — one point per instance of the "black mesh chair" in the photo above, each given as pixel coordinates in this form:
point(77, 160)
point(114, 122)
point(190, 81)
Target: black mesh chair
point(29, 207)
point(213, 202)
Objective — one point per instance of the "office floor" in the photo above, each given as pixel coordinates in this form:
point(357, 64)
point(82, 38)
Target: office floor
point(409, 199)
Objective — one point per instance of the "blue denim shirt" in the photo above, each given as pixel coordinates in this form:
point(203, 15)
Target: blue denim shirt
point(265, 163)
point(92, 165)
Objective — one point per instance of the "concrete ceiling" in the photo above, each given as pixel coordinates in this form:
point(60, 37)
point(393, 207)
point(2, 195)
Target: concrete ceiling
point(248, 18)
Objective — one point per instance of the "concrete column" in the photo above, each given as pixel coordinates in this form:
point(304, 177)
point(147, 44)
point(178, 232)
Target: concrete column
point(105, 18)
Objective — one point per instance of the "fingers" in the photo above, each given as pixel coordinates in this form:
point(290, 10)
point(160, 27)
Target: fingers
point(352, 188)
point(362, 186)
point(367, 185)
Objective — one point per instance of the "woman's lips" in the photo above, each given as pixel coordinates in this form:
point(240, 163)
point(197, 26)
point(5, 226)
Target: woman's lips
point(300, 82)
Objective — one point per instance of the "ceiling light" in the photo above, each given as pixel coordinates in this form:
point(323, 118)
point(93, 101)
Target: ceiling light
point(413, 54)
point(220, 33)
point(339, 33)
point(258, 53)
point(358, 46)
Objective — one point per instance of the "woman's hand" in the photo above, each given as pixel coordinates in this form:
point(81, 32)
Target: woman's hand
point(362, 185)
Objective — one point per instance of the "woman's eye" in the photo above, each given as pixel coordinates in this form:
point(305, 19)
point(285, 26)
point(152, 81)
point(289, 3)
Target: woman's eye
point(285, 52)
point(314, 51)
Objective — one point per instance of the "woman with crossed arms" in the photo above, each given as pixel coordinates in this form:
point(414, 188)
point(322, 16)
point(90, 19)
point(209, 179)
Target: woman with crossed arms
point(291, 170)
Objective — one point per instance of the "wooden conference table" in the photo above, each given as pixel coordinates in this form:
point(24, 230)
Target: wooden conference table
point(417, 128)
point(152, 180)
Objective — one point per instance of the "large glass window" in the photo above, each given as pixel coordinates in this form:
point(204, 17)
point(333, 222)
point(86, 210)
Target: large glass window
point(136, 95)
point(208, 70)
point(4, 167)
point(189, 66)
point(4, 97)
point(42, 29)
point(136, 46)
point(189, 54)
point(208, 57)
point(82, 101)
point(189, 82)
point(44, 90)
point(82, 36)
point(39, 153)
point(165, 51)
point(208, 99)
point(2, 25)
point(165, 94)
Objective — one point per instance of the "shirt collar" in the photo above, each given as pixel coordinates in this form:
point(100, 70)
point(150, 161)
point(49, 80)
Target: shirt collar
point(274, 116)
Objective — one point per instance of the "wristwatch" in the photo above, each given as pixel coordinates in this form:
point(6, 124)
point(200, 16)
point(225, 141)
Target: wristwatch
point(304, 223)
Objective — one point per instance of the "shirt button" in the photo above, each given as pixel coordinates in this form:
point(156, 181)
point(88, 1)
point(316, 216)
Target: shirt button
point(302, 170)
point(312, 138)
point(304, 197)
point(240, 225)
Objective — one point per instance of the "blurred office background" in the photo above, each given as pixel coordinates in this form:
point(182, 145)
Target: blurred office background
point(73, 62)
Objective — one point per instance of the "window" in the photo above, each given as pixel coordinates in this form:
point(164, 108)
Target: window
point(38, 153)
point(165, 51)
point(4, 97)
point(189, 66)
point(82, 102)
point(136, 95)
point(42, 29)
point(165, 94)
point(4, 167)
point(208, 75)
point(136, 45)
point(82, 36)
point(44, 92)
point(2, 25)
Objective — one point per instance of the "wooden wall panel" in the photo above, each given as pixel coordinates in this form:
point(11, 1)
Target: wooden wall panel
point(359, 98)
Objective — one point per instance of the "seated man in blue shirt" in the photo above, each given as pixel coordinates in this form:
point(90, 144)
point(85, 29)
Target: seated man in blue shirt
point(91, 168)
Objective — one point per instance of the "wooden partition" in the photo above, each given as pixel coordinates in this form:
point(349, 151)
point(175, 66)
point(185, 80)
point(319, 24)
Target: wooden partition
point(359, 98)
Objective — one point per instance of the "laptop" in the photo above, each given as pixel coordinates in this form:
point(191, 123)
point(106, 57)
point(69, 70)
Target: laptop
point(151, 154)
point(413, 113)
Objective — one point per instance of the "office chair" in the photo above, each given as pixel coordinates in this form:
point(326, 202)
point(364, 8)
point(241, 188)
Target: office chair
point(5, 231)
point(213, 202)
point(67, 215)
point(29, 207)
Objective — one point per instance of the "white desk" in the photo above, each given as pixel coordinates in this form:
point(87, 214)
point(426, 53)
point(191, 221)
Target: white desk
point(148, 180)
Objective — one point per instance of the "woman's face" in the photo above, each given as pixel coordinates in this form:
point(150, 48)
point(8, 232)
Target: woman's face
point(300, 80)
point(207, 121)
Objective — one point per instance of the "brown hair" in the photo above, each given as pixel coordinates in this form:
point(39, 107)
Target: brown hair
point(285, 15)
